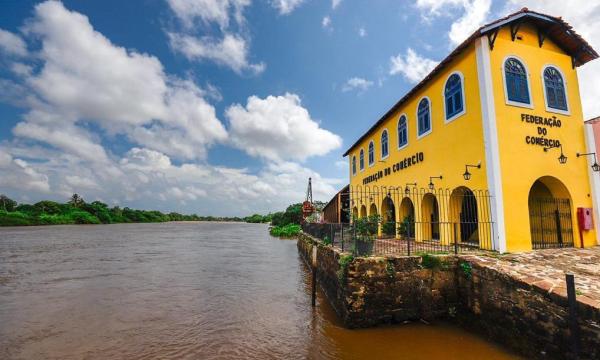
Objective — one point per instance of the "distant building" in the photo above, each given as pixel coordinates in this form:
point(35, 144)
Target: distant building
point(337, 209)
point(486, 144)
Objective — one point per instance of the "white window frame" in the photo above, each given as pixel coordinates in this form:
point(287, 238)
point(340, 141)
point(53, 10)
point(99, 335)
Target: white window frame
point(353, 165)
point(464, 99)
point(430, 117)
point(371, 164)
point(527, 74)
point(388, 144)
point(551, 109)
point(398, 133)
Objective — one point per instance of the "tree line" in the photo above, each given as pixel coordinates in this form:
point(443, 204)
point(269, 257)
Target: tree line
point(77, 211)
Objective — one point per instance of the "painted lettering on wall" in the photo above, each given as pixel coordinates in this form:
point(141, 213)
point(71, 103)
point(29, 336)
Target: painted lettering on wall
point(399, 166)
point(540, 137)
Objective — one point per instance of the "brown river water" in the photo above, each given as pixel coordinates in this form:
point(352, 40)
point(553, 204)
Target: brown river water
point(185, 291)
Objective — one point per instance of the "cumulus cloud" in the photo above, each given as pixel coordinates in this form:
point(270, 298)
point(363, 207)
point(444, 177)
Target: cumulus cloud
point(357, 83)
point(18, 174)
point(278, 128)
point(286, 6)
point(335, 3)
point(474, 13)
point(411, 65)
point(227, 47)
point(362, 32)
point(149, 179)
point(85, 91)
point(231, 51)
point(326, 22)
point(85, 78)
point(584, 16)
point(12, 44)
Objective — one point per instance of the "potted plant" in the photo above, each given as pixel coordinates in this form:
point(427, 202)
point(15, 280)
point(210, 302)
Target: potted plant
point(365, 234)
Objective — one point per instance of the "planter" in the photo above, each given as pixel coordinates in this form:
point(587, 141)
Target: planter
point(364, 247)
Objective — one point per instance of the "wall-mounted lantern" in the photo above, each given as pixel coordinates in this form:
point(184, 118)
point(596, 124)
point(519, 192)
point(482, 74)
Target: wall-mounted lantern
point(562, 158)
point(407, 190)
point(431, 186)
point(467, 174)
point(595, 167)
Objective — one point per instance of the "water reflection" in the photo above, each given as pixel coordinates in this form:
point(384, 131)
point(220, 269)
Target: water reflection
point(184, 290)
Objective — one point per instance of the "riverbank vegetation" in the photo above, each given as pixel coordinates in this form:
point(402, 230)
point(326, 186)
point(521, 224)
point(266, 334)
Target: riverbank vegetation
point(77, 211)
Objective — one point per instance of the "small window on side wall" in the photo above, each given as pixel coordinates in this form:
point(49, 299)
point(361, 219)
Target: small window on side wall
point(402, 131)
point(554, 86)
point(371, 153)
point(517, 88)
point(453, 96)
point(354, 165)
point(423, 117)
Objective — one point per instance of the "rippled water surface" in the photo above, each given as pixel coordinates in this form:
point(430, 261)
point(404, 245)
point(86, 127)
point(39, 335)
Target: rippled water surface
point(184, 290)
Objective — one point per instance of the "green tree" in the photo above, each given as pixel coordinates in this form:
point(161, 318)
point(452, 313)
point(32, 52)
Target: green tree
point(76, 201)
point(7, 204)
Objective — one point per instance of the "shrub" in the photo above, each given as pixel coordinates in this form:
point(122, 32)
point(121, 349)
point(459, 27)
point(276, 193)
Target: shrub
point(289, 230)
point(15, 218)
point(389, 228)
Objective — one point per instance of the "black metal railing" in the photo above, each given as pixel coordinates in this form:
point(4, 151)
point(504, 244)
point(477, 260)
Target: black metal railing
point(407, 221)
point(348, 237)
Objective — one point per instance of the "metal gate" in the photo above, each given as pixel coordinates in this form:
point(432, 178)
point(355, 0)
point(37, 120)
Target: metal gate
point(551, 223)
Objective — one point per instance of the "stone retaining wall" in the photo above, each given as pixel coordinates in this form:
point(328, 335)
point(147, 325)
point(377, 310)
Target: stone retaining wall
point(378, 290)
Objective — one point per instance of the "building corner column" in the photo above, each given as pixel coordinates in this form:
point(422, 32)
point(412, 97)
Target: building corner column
point(491, 144)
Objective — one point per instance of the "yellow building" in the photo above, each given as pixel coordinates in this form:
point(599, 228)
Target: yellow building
point(485, 148)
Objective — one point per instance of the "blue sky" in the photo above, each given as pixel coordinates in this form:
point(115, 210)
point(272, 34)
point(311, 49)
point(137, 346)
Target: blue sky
point(220, 107)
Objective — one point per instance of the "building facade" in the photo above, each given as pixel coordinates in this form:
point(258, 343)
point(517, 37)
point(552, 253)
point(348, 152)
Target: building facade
point(489, 137)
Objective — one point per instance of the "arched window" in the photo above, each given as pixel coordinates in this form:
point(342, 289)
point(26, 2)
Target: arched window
point(424, 117)
point(354, 165)
point(361, 159)
point(517, 89)
point(453, 96)
point(384, 144)
point(555, 89)
point(371, 153)
point(402, 131)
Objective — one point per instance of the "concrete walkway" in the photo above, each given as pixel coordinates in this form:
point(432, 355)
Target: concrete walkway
point(546, 269)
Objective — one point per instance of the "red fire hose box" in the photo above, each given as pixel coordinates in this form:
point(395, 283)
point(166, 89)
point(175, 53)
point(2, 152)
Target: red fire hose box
point(584, 218)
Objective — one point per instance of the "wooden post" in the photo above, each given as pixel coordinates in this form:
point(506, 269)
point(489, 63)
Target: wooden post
point(573, 325)
point(314, 276)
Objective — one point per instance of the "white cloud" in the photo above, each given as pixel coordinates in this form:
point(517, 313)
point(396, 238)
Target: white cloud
point(208, 11)
point(411, 65)
point(362, 32)
point(148, 179)
point(227, 48)
point(335, 3)
point(326, 22)
point(474, 14)
point(12, 44)
point(231, 51)
point(286, 6)
point(342, 165)
point(584, 16)
point(278, 128)
point(357, 83)
point(18, 174)
point(84, 78)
